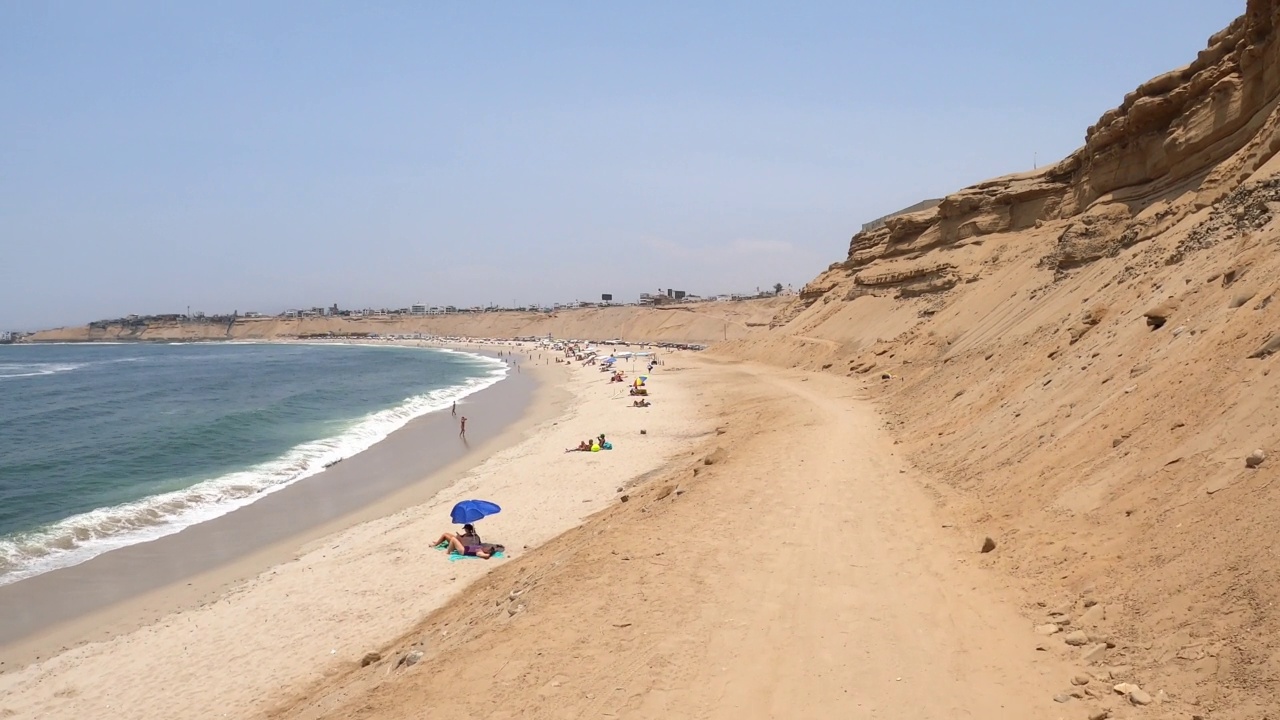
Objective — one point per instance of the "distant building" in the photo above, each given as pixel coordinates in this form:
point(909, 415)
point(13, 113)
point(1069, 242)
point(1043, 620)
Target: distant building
point(418, 309)
point(252, 314)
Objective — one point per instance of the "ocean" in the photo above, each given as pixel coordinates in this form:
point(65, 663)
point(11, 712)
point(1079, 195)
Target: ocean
point(108, 445)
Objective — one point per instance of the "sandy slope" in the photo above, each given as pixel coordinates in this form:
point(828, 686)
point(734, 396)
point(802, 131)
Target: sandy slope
point(803, 574)
point(1005, 335)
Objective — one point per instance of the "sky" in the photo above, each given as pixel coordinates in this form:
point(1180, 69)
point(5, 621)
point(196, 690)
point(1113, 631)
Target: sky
point(260, 156)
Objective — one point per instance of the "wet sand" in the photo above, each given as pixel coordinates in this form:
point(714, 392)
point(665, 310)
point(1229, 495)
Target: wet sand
point(123, 589)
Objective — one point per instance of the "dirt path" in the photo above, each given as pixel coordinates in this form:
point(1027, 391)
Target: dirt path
point(803, 576)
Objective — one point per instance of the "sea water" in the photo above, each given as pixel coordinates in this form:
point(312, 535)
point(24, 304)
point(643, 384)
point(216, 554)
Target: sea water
point(108, 445)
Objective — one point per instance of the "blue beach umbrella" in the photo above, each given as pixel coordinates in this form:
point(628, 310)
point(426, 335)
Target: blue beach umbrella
point(469, 511)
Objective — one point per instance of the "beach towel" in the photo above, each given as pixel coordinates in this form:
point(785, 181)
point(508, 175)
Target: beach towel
point(455, 556)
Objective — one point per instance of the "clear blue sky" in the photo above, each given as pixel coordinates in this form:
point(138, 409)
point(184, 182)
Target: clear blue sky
point(266, 155)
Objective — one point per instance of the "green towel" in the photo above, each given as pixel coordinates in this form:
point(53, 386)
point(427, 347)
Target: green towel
point(454, 557)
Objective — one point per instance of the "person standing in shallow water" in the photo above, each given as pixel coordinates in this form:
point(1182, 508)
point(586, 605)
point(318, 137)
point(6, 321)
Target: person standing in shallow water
point(462, 432)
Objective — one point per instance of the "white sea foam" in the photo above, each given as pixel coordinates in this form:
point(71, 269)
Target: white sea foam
point(20, 370)
point(85, 536)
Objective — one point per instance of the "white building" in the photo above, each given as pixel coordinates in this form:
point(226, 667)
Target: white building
point(418, 309)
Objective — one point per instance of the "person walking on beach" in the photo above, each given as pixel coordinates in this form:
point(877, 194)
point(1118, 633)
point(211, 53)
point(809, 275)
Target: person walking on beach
point(462, 432)
point(455, 408)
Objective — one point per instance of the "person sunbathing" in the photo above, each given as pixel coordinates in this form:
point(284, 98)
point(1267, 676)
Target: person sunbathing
point(640, 403)
point(456, 545)
point(583, 446)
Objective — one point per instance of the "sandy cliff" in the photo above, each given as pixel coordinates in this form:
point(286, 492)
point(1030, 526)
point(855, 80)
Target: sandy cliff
point(683, 323)
point(1082, 357)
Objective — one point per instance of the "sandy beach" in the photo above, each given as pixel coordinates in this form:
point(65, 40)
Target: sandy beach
point(1009, 451)
point(317, 609)
point(791, 559)
point(99, 598)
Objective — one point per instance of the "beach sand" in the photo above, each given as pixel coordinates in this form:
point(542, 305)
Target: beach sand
point(131, 586)
point(246, 646)
point(774, 556)
point(788, 565)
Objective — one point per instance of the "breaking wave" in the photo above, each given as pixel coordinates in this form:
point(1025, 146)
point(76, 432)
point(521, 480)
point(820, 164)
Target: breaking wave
point(82, 537)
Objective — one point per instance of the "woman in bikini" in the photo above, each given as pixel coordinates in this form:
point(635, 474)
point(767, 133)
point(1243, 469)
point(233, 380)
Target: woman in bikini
point(466, 543)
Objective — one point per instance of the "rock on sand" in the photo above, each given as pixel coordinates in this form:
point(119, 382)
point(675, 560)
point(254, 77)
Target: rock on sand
point(1255, 458)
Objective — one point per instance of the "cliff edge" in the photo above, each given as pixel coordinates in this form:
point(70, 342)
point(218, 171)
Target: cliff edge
point(1180, 143)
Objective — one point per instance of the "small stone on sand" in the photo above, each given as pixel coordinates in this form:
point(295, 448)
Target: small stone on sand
point(1255, 458)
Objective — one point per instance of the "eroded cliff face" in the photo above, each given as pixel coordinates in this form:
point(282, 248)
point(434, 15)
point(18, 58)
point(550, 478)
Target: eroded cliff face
point(1179, 143)
point(1080, 362)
